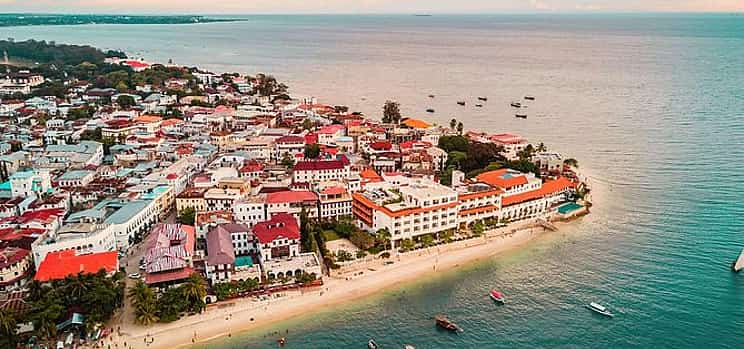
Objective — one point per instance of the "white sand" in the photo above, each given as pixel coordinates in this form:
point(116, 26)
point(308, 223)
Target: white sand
point(246, 314)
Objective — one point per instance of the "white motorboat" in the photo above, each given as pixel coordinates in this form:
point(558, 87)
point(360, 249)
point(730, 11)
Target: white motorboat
point(599, 309)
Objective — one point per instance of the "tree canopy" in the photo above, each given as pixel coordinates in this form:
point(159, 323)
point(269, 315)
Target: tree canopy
point(391, 112)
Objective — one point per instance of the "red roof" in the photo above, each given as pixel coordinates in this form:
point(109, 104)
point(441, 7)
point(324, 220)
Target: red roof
point(381, 145)
point(12, 255)
point(333, 191)
point(319, 165)
point(311, 138)
point(171, 176)
point(506, 138)
point(503, 178)
point(179, 274)
point(136, 64)
point(46, 215)
point(548, 188)
point(291, 139)
point(281, 225)
point(251, 166)
point(331, 129)
point(58, 265)
point(290, 196)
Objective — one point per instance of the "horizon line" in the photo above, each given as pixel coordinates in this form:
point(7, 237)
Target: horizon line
point(515, 12)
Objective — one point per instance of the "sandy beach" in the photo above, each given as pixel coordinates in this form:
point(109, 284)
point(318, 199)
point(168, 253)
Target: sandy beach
point(345, 285)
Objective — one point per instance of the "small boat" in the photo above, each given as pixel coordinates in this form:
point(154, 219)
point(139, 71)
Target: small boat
point(445, 323)
point(372, 344)
point(282, 341)
point(738, 264)
point(497, 296)
point(529, 98)
point(599, 309)
point(523, 116)
point(429, 110)
point(485, 99)
point(408, 346)
point(461, 102)
point(431, 96)
point(516, 104)
point(479, 105)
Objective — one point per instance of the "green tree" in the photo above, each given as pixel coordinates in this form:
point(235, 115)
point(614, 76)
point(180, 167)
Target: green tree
point(125, 101)
point(453, 123)
point(427, 240)
point(306, 233)
point(454, 143)
point(383, 235)
point(391, 112)
point(312, 151)
point(571, 162)
point(144, 303)
point(477, 229)
point(194, 290)
point(287, 160)
point(307, 124)
point(460, 128)
point(187, 216)
point(8, 325)
point(406, 245)
point(362, 240)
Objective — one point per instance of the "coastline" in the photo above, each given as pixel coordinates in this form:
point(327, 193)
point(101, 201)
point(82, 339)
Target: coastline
point(241, 315)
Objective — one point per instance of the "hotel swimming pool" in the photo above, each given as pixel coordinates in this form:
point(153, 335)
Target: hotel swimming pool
point(569, 207)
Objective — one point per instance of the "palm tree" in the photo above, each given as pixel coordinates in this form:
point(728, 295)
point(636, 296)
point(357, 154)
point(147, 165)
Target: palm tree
point(195, 289)
point(460, 127)
point(541, 148)
point(36, 290)
point(145, 314)
point(453, 123)
point(8, 325)
point(77, 286)
point(384, 235)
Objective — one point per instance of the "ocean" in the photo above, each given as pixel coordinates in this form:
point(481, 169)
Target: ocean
point(652, 106)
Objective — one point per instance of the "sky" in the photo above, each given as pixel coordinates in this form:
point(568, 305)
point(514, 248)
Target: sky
point(366, 6)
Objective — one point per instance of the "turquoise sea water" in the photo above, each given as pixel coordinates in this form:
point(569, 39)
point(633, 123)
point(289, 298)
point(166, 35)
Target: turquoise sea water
point(651, 105)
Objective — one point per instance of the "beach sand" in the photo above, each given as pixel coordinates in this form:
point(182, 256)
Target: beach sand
point(231, 317)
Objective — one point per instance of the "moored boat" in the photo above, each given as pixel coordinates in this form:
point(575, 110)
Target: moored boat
point(444, 323)
point(738, 264)
point(522, 116)
point(479, 105)
point(371, 344)
point(408, 346)
point(431, 96)
point(461, 102)
point(599, 309)
point(529, 98)
point(483, 99)
point(430, 110)
point(516, 104)
point(497, 296)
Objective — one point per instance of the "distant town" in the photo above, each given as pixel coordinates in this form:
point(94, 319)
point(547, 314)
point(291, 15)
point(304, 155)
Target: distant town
point(27, 19)
point(136, 193)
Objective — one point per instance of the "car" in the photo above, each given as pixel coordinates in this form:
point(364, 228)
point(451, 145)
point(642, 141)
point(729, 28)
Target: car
point(134, 275)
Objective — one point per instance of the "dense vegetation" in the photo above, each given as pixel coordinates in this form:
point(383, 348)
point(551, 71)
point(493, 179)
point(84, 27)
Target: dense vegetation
point(474, 158)
point(170, 305)
point(51, 52)
point(96, 296)
point(10, 19)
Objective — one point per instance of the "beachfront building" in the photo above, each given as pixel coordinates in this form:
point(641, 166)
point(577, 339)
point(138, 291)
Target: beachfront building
point(278, 237)
point(478, 202)
point(317, 171)
point(537, 203)
point(278, 241)
point(407, 210)
point(61, 264)
point(170, 251)
point(510, 181)
point(231, 249)
point(512, 144)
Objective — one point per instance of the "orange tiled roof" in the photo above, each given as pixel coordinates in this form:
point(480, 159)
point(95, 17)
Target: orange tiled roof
point(501, 178)
point(548, 188)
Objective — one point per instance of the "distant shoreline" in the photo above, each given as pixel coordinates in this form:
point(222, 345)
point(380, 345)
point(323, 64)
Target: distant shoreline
point(30, 19)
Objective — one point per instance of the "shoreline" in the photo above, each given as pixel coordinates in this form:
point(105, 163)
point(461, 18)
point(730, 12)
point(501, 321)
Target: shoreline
point(344, 286)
